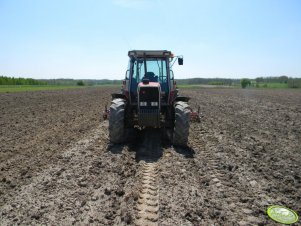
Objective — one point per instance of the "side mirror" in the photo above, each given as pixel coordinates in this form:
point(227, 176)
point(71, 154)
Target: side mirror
point(180, 61)
point(127, 74)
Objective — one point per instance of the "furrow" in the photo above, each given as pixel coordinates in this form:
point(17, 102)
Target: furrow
point(148, 201)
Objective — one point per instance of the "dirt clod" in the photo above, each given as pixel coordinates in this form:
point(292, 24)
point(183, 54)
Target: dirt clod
point(108, 191)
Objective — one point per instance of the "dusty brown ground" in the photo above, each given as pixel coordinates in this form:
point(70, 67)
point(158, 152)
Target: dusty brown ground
point(57, 167)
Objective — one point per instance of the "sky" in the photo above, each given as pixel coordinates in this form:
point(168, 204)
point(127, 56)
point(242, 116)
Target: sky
point(89, 39)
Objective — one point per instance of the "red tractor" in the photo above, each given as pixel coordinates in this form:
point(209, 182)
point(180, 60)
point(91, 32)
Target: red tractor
point(149, 98)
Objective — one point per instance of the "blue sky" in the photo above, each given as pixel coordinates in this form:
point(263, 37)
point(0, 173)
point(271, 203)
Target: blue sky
point(90, 39)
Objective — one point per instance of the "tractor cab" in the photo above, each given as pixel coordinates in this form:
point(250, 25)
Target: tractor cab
point(149, 69)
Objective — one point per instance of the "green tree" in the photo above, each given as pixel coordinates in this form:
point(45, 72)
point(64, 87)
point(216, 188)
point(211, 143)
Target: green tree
point(80, 83)
point(245, 82)
point(283, 79)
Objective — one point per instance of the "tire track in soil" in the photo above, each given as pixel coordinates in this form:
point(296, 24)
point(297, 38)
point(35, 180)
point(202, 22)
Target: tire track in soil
point(148, 202)
point(147, 206)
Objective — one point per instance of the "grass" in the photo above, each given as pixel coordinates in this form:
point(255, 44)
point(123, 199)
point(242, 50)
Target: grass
point(273, 85)
point(204, 86)
point(259, 85)
point(29, 88)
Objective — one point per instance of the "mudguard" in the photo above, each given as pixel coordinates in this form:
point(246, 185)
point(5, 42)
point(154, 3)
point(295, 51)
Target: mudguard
point(118, 95)
point(184, 99)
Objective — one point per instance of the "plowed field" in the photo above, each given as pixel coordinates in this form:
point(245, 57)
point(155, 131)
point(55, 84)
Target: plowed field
point(58, 168)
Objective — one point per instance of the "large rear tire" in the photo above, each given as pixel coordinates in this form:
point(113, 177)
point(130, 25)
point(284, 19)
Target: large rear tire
point(116, 121)
point(181, 124)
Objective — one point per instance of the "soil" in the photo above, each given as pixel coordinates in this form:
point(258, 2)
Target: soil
point(57, 166)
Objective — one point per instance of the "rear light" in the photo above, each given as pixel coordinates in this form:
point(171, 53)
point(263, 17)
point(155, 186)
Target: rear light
point(154, 104)
point(123, 82)
point(143, 104)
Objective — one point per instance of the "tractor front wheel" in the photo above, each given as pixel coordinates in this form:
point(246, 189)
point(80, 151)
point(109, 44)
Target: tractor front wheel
point(116, 121)
point(181, 124)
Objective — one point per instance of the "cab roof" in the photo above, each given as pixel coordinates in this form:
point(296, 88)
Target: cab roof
point(150, 53)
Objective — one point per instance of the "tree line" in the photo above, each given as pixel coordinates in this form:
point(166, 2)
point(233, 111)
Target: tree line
point(88, 82)
point(262, 82)
point(4, 80)
point(294, 83)
point(291, 82)
point(280, 79)
point(257, 82)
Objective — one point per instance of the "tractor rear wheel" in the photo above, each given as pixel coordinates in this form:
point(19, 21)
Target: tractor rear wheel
point(116, 121)
point(181, 124)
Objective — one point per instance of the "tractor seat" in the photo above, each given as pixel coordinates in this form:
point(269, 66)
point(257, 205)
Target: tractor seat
point(151, 76)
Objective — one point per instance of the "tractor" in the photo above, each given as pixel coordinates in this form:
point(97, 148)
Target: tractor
point(149, 98)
